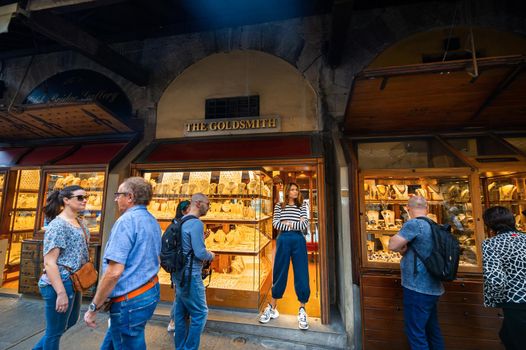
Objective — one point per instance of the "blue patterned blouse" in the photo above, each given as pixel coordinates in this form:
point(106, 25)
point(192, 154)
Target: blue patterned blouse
point(73, 249)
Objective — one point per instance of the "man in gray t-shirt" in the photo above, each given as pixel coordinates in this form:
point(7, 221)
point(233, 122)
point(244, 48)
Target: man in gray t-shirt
point(421, 290)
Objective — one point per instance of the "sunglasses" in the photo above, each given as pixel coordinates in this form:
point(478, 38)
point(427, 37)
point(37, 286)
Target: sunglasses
point(80, 197)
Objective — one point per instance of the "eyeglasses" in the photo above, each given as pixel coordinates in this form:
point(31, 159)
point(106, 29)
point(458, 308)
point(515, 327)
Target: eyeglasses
point(117, 194)
point(80, 197)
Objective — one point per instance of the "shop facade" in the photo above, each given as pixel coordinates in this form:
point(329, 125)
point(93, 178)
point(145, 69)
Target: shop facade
point(422, 141)
point(303, 135)
point(242, 164)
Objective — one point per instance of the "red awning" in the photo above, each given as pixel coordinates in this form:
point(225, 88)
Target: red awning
point(10, 156)
point(99, 153)
point(285, 147)
point(44, 155)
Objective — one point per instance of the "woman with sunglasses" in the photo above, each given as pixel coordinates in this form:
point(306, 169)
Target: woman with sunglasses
point(65, 250)
point(182, 209)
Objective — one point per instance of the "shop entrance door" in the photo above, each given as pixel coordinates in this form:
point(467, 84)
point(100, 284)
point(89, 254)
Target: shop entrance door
point(306, 178)
point(239, 226)
point(21, 202)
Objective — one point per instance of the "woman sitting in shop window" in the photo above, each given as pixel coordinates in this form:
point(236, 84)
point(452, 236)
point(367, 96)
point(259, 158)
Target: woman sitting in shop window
point(65, 250)
point(291, 218)
point(504, 270)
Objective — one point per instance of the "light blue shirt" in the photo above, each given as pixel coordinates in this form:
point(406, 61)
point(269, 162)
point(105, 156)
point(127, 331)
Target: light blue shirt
point(135, 242)
point(194, 238)
point(418, 233)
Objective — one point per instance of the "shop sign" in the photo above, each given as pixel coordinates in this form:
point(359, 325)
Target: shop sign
point(82, 85)
point(232, 126)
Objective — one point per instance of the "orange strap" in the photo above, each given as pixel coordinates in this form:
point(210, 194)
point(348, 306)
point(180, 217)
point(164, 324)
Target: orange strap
point(135, 293)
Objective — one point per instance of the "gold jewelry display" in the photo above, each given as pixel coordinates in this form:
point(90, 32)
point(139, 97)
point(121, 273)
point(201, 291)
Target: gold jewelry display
point(385, 242)
point(506, 192)
point(389, 218)
point(401, 192)
point(434, 192)
point(432, 217)
point(421, 192)
point(464, 195)
point(383, 191)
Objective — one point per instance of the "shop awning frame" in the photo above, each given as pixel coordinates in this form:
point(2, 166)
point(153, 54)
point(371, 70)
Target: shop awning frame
point(439, 97)
point(62, 120)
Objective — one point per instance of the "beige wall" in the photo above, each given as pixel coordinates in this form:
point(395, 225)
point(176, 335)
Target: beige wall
point(281, 88)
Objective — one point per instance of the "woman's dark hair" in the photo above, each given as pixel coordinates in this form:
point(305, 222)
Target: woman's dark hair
point(55, 201)
point(499, 219)
point(297, 201)
point(181, 207)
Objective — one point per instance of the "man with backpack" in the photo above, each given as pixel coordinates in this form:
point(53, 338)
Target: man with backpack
point(421, 289)
point(190, 297)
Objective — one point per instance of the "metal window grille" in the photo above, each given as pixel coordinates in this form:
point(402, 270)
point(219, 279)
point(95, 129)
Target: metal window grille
point(232, 107)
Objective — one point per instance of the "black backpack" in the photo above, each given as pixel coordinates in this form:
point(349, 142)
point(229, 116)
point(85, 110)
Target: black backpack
point(172, 257)
point(443, 261)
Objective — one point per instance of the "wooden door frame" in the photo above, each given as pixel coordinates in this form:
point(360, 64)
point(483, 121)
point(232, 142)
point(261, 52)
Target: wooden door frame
point(315, 162)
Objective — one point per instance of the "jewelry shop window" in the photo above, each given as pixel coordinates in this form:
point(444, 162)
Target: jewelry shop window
point(392, 171)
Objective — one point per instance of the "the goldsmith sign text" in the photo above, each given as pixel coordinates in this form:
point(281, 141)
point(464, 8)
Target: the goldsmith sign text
point(249, 125)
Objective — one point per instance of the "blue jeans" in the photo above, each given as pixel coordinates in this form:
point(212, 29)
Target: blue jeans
point(421, 321)
point(190, 300)
point(291, 245)
point(128, 320)
point(57, 323)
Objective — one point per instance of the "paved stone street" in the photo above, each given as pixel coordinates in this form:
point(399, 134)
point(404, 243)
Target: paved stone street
point(23, 324)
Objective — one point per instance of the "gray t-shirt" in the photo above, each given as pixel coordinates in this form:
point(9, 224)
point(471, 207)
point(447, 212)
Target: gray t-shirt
point(418, 233)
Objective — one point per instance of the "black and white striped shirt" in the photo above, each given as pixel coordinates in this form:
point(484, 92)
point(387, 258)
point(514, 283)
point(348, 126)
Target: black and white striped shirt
point(291, 213)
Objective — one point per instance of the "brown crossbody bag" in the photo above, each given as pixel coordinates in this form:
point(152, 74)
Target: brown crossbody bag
point(87, 275)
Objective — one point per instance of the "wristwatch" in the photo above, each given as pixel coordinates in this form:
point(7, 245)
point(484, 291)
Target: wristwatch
point(92, 307)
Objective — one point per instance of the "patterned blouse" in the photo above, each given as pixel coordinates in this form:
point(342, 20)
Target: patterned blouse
point(504, 269)
point(73, 249)
point(291, 213)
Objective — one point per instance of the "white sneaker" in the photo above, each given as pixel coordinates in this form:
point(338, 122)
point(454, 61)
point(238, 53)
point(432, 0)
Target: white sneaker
point(268, 313)
point(171, 326)
point(303, 323)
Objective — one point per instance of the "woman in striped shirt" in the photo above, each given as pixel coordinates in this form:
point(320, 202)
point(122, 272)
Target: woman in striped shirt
point(291, 219)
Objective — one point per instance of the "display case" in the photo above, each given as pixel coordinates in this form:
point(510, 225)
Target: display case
point(93, 182)
point(21, 213)
point(238, 229)
point(385, 211)
point(508, 191)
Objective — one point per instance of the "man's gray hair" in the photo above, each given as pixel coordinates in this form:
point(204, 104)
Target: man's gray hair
point(140, 188)
point(417, 202)
point(199, 197)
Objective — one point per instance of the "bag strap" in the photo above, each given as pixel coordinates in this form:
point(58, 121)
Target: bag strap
point(84, 233)
point(416, 253)
point(85, 237)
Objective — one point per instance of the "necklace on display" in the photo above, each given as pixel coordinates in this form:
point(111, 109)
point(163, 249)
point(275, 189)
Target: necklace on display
point(382, 190)
point(400, 188)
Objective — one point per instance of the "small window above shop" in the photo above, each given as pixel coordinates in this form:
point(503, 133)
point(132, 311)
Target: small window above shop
point(484, 149)
point(232, 107)
point(406, 154)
